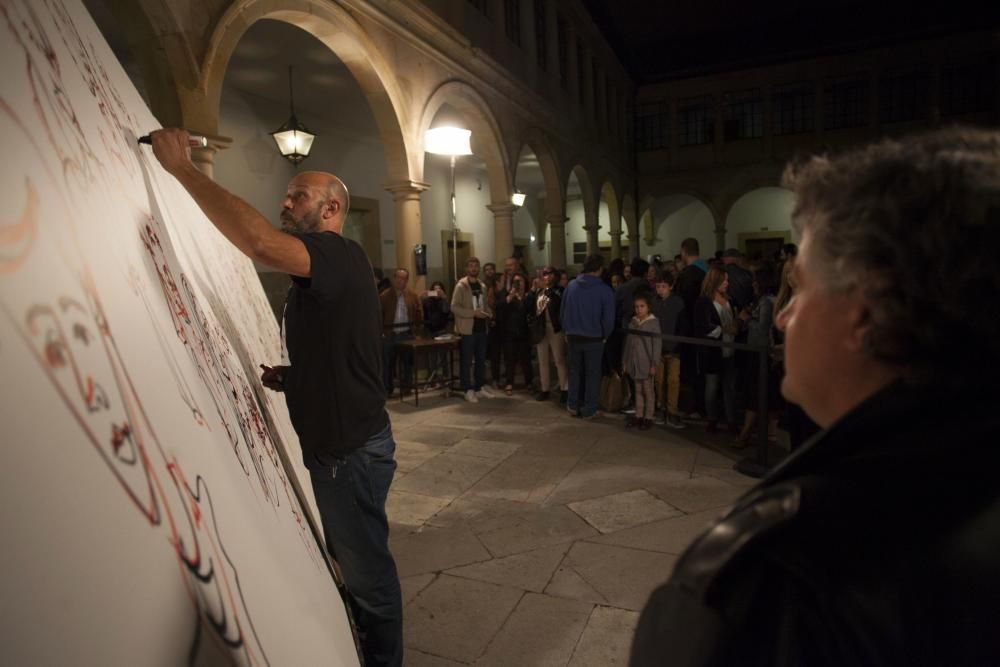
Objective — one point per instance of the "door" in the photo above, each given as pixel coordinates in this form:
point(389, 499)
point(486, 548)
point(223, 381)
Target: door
point(766, 248)
point(464, 253)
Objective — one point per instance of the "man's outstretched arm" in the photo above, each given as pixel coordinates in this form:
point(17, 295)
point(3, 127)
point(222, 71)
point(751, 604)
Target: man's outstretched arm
point(239, 222)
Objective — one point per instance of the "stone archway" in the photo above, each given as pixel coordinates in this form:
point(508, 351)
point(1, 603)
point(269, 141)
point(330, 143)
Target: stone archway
point(554, 213)
point(342, 34)
point(631, 226)
point(760, 214)
point(679, 215)
point(610, 198)
point(589, 198)
point(487, 143)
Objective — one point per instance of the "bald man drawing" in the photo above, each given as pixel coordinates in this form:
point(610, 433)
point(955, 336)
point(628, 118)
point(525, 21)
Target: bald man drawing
point(333, 385)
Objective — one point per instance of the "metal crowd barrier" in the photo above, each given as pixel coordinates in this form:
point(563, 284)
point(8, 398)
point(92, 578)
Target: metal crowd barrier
point(756, 466)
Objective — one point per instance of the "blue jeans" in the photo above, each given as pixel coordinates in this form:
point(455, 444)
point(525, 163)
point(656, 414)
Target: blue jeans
point(389, 357)
point(472, 348)
point(351, 501)
point(585, 368)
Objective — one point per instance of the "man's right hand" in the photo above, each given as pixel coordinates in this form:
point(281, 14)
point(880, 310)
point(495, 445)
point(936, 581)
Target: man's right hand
point(171, 148)
point(273, 377)
point(481, 315)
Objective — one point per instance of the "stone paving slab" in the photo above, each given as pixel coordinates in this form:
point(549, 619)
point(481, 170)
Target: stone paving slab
point(412, 509)
point(697, 493)
point(431, 435)
point(413, 586)
point(670, 536)
point(486, 449)
point(616, 512)
point(412, 455)
point(474, 512)
point(457, 618)
point(542, 632)
point(414, 658)
point(434, 550)
point(528, 571)
point(534, 530)
point(593, 479)
point(447, 475)
point(615, 576)
point(524, 478)
point(621, 450)
point(607, 639)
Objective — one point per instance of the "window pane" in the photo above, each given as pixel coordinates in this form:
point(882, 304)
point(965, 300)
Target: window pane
point(695, 122)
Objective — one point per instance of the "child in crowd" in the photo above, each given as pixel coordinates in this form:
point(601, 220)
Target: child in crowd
point(669, 311)
point(640, 360)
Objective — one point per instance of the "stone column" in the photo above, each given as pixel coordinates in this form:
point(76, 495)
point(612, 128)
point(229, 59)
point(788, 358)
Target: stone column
point(616, 243)
point(590, 225)
point(204, 158)
point(406, 199)
point(503, 226)
point(557, 240)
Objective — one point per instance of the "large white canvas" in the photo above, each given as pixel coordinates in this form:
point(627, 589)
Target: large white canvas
point(147, 516)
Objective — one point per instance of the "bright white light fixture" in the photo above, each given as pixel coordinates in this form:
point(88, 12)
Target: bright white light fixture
point(294, 139)
point(517, 199)
point(532, 238)
point(453, 141)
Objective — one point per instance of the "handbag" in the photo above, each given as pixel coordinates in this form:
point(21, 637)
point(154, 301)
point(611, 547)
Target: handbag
point(614, 392)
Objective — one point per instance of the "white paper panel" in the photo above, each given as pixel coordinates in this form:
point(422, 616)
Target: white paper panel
point(147, 517)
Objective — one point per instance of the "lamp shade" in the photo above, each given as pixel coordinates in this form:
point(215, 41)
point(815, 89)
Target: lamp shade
point(294, 140)
point(448, 141)
point(517, 199)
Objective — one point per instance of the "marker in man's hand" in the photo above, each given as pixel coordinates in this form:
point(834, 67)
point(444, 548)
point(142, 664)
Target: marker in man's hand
point(194, 140)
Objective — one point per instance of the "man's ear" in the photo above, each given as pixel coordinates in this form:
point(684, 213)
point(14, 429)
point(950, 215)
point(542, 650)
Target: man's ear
point(334, 207)
point(860, 320)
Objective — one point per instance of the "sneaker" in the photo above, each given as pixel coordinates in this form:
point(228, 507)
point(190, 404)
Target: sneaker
point(628, 411)
point(659, 420)
point(486, 392)
point(563, 396)
point(542, 396)
point(471, 397)
point(673, 421)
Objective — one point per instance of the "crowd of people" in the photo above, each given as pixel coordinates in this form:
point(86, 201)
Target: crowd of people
point(607, 322)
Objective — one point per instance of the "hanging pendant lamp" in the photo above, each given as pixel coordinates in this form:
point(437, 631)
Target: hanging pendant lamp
point(294, 139)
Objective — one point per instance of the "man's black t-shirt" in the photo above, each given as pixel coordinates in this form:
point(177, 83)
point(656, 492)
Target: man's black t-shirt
point(333, 331)
point(478, 324)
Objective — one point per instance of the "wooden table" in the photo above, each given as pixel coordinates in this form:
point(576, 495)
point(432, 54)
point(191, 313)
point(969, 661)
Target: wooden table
point(423, 347)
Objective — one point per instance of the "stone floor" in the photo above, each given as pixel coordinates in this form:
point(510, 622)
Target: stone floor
point(526, 537)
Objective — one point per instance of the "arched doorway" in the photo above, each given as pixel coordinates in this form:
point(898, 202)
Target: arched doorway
point(581, 210)
point(760, 221)
point(676, 217)
point(536, 178)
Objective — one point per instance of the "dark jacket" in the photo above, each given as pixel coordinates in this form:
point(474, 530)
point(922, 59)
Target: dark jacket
point(588, 308)
point(688, 285)
point(436, 312)
point(706, 319)
point(414, 310)
point(670, 313)
point(536, 321)
point(512, 318)
point(624, 296)
point(875, 544)
point(740, 286)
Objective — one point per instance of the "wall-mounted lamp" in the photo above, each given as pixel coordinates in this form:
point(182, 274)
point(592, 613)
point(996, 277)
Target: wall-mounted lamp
point(293, 138)
point(517, 199)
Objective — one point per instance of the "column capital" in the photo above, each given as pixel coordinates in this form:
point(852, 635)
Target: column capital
point(556, 220)
point(615, 234)
point(502, 209)
point(592, 228)
point(406, 189)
